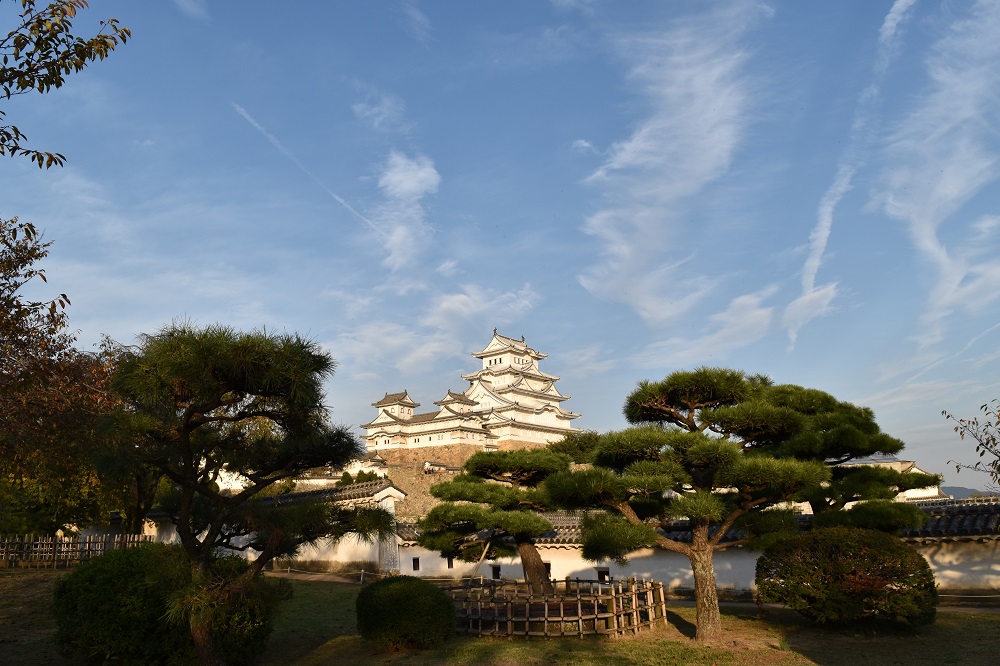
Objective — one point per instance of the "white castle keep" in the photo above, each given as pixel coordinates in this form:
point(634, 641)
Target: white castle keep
point(509, 402)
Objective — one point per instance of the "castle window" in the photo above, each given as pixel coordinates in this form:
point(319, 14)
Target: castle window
point(416, 564)
point(603, 574)
point(451, 562)
point(496, 571)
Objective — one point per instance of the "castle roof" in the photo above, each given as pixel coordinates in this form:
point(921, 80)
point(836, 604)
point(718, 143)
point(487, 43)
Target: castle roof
point(354, 491)
point(453, 397)
point(501, 343)
point(400, 398)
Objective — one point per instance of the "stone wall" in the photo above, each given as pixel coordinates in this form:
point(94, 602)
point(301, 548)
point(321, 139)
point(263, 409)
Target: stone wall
point(406, 471)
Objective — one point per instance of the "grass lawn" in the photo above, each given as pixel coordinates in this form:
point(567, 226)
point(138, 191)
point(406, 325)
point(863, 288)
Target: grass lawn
point(316, 626)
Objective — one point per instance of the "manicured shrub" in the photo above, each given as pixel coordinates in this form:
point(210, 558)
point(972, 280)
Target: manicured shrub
point(115, 608)
point(112, 608)
point(404, 610)
point(844, 574)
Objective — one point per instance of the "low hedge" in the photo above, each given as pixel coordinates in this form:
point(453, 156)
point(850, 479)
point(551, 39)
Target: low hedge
point(405, 611)
point(844, 574)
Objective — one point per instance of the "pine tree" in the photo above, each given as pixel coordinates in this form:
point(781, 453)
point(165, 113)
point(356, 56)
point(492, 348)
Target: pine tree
point(718, 448)
point(489, 511)
point(200, 402)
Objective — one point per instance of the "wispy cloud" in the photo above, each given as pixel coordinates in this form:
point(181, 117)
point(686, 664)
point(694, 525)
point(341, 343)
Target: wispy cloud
point(693, 78)
point(194, 8)
point(384, 111)
point(273, 140)
point(591, 360)
point(746, 320)
point(943, 153)
point(584, 6)
point(584, 146)
point(815, 301)
point(405, 182)
point(417, 23)
point(448, 268)
point(480, 306)
point(384, 343)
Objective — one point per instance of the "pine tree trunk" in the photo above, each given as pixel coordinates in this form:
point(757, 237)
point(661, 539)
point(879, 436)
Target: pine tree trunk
point(204, 643)
point(201, 628)
point(706, 594)
point(534, 568)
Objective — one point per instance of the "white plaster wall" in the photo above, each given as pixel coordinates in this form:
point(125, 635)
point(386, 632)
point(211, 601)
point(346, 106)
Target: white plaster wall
point(964, 565)
point(163, 532)
point(733, 568)
point(348, 549)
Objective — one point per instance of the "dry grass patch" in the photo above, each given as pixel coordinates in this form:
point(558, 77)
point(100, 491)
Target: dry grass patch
point(27, 627)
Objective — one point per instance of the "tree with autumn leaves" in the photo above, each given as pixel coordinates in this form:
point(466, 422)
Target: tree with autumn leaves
point(51, 400)
point(49, 391)
point(39, 53)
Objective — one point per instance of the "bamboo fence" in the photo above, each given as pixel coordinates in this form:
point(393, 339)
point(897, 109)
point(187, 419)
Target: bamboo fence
point(573, 608)
point(53, 552)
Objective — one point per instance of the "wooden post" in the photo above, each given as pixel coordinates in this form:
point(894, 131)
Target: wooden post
point(579, 613)
point(614, 609)
point(635, 606)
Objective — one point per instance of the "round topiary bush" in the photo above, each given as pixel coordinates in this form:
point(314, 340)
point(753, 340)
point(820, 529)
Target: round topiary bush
point(845, 574)
point(404, 610)
point(114, 608)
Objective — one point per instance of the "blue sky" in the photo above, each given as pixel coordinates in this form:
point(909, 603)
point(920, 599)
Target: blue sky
point(807, 190)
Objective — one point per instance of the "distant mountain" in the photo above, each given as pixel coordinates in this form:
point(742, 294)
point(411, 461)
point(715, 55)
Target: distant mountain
point(958, 492)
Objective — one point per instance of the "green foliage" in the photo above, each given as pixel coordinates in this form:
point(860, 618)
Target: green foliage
point(247, 403)
point(505, 482)
point(852, 483)
point(619, 449)
point(522, 467)
point(463, 530)
point(882, 515)
point(362, 477)
point(702, 506)
point(679, 397)
point(203, 401)
point(671, 473)
point(39, 53)
point(720, 448)
point(579, 446)
point(113, 609)
point(466, 489)
point(765, 528)
point(607, 536)
point(405, 611)
point(845, 574)
point(586, 488)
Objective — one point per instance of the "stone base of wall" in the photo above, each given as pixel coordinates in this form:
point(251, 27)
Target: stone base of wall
point(406, 471)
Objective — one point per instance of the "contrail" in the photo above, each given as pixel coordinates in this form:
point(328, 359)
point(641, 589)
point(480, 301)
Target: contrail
point(284, 151)
point(853, 156)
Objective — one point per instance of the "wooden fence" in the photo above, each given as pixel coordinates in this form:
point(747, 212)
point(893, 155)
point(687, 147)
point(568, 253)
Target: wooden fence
point(52, 552)
point(572, 608)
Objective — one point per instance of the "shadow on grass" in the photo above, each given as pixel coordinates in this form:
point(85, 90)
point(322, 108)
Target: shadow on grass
point(962, 640)
point(686, 628)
